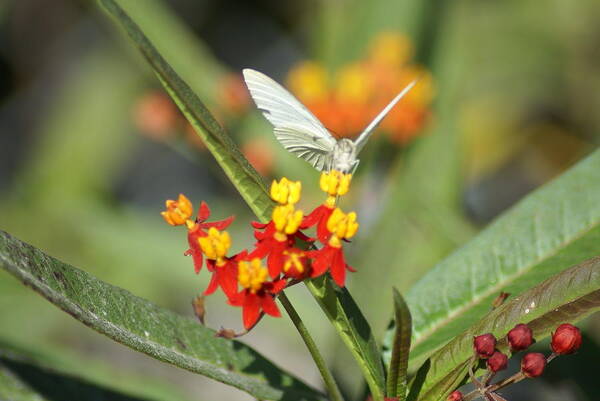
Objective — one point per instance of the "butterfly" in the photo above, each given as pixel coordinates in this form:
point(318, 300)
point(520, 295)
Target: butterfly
point(301, 133)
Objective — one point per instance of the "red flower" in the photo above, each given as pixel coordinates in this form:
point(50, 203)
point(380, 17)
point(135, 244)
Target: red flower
point(332, 258)
point(196, 230)
point(339, 226)
point(319, 216)
point(258, 294)
point(278, 237)
point(224, 274)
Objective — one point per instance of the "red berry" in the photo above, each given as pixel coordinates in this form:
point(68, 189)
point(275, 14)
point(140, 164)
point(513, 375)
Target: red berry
point(566, 339)
point(455, 396)
point(533, 364)
point(520, 337)
point(484, 345)
point(497, 361)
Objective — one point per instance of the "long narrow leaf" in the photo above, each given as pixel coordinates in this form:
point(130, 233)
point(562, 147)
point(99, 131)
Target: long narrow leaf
point(555, 227)
point(147, 328)
point(397, 372)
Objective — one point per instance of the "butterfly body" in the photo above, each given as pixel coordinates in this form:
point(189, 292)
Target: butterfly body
point(301, 133)
point(343, 158)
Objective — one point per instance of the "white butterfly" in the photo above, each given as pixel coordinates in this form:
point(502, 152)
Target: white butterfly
point(301, 133)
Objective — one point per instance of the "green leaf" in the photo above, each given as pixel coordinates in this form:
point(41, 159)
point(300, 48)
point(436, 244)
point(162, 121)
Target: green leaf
point(397, 372)
point(22, 379)
point(243, 176)
point(353, 328)
point(147, 328)
point(555, 227)
point(566, 297)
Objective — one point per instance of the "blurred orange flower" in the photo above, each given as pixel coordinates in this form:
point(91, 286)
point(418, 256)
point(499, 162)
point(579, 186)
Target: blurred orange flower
point(155, 115)
point(352, 96)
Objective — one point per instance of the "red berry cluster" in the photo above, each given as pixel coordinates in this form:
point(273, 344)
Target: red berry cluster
point(565, 340)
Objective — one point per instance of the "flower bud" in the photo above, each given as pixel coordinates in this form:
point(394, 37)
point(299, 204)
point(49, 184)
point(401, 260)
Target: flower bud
point(497, 362)
point(484, 345)
point(533, 364)
point(520, 337)
point(566, 339)
point(455, 396)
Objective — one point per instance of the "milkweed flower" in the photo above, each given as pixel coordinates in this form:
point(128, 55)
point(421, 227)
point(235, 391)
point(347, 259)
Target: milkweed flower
point(215, 246)
point(279, 235)
point(179, 212)
point(335, 184)
point(258, 294)
point(340, 226)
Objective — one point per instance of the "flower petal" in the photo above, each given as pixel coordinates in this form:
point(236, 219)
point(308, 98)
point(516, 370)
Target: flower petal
point(251, 310)
point(203, 212)
point(338, 267)
point(212, 286)
point(269, 306)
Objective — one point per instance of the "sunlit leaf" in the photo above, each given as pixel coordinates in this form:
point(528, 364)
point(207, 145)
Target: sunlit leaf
point(397, 372)
point(566, 297)
point(147, 328)
point(555, 227)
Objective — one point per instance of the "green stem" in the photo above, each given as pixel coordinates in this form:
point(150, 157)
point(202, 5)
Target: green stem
point(332, 388)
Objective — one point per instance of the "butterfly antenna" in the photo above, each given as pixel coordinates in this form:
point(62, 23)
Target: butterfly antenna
point(362, 139)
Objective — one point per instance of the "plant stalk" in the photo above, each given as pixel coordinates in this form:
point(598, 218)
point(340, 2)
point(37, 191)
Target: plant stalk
point(330, 384)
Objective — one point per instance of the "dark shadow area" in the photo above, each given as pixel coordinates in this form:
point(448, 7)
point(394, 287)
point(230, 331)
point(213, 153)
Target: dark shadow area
point(58, 387)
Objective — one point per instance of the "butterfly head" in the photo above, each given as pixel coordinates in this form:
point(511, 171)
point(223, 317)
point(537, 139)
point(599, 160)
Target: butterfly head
point(343, 157)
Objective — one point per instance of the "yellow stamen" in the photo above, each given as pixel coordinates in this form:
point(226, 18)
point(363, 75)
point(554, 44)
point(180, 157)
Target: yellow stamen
point(286, 219)
point(286, 192)
point(342, 225)
point(178, 212)
point(252, 275)
point(216, 244)
point(335, 183)
point(294, 261)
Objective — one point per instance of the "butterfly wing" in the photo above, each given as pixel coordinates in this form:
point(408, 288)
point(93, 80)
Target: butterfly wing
point(296, 128)
point(364, 136)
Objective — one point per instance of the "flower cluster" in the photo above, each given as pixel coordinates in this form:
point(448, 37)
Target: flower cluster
point(349, 99)
point(565, 340)
point(282, 253)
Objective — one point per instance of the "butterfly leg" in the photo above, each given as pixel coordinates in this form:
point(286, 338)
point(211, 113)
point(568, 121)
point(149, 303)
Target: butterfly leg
point(355, 166)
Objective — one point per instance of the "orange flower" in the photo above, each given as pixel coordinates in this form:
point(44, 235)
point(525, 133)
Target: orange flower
point(178, 212)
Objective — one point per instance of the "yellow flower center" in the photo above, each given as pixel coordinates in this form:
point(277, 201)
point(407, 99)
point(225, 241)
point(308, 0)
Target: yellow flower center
point(252, 275)
point(178, 212)
point(286, 192)
point(286, 219)
point(335, 183)
point(215, 245)
point(293, 260)
point(341, 225)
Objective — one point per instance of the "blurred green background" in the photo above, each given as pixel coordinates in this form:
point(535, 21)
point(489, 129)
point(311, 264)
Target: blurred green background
point(90, 149)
